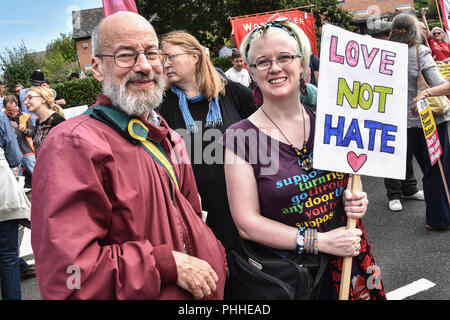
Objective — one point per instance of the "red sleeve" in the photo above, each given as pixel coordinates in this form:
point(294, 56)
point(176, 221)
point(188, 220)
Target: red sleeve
point(71, 213)
point(432, 44)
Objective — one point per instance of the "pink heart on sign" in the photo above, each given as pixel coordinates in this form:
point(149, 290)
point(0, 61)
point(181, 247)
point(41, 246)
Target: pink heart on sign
point(356, 162)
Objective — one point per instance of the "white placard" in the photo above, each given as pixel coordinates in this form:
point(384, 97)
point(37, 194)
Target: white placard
point(75, 111)
point(361, 119)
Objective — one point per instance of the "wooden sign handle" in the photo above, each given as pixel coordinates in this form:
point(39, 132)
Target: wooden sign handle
point(444, 180)
point(347, 263)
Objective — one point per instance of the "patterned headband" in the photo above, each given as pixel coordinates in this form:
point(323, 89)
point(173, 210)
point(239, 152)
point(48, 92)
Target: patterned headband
point(263, 26)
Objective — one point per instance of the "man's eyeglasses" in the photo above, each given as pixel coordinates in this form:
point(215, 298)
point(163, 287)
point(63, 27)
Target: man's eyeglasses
point(436, 33)
point(12, 112)
point(128, 58)
point(281, 60)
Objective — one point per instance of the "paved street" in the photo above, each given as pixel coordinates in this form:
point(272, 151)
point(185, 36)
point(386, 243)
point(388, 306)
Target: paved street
point(404, 250)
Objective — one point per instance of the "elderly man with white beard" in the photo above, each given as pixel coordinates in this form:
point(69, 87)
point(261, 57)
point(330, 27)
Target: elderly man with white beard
point(115, 209)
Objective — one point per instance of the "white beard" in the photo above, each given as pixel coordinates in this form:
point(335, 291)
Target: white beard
point(137, 104)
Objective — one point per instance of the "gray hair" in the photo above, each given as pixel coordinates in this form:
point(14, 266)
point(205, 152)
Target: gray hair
point(405, 29)
point(444, 34)
point(95, 39)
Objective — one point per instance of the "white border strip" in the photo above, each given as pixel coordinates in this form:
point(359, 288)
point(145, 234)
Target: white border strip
point(410, 289)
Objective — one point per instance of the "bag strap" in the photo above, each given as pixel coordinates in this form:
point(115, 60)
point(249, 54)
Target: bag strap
point(421, 82)
point(136, 132)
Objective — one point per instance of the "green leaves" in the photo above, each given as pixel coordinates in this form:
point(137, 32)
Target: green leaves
point(208, 20)
point(79, 92)
point(61, 59)
point(17, 64)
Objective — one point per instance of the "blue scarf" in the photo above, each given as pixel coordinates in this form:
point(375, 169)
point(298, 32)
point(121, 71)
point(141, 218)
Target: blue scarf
point(213, 119)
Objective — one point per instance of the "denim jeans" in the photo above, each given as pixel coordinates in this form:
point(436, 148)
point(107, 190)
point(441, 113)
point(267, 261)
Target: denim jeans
point(28, 163)
point(9, 261)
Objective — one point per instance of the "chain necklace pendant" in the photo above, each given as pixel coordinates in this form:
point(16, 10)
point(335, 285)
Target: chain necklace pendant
point(306, 163)
point(303, 160)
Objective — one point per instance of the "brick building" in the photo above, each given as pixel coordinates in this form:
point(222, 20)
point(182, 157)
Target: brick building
point(366, 10)
point(84, 21)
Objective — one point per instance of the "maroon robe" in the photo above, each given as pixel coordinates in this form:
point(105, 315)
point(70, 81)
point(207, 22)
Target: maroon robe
point(103, 209)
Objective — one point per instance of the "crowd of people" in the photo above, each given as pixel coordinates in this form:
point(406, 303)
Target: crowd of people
point(145, 194)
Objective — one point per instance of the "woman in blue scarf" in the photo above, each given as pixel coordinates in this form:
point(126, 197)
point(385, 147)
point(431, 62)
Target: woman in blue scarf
point(200, 105)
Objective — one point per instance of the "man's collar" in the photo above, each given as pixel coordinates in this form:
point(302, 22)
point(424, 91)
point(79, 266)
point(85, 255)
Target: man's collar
point(158, 128)
point(154, 118)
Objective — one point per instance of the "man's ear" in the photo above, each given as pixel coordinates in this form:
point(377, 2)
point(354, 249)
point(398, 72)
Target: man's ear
point(97, 68)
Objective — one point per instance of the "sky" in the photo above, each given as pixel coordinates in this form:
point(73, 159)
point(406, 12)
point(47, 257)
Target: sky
point(37, 23)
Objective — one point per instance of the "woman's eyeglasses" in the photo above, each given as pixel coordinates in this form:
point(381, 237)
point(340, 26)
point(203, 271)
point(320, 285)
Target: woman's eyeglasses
point(171, 57)
point(281, 60)
point(30, 97)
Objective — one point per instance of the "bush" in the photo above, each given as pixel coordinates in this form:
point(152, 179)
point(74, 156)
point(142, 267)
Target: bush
point(223, 63)
point(79, 92)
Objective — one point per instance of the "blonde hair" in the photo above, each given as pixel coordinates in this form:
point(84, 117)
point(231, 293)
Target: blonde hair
point(209, 81)
point(49, 95)
point(302, 41)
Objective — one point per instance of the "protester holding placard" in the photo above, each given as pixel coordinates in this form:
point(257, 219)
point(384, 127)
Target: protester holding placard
point(440, 90)
point(438, 41)
point(404, 30)
point(396, 188)
point(276, 196)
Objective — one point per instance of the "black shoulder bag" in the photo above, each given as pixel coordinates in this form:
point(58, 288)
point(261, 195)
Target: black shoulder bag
point(254, 273)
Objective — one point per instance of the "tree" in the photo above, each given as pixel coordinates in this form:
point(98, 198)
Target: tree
point(17, 64)
point(209, 20)
point(432, 12)
point(65, 46)
point(419, 4)
point(195, 17)
point(61, 59)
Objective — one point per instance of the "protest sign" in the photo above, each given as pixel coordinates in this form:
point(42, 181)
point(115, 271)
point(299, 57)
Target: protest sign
point(244, 24)
point(430, 131)
point(432, 139)
point(361, 116)
point(444, 70)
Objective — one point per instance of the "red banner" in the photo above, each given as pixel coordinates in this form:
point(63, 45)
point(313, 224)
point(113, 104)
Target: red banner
point(445, 9)
point(244, 24)
point(113, 6)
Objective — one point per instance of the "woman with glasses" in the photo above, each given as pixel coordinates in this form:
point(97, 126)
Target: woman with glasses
point(200, 105)
point(404, 30)
point(41, 101)
point(438, 41)
point(289, 208)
